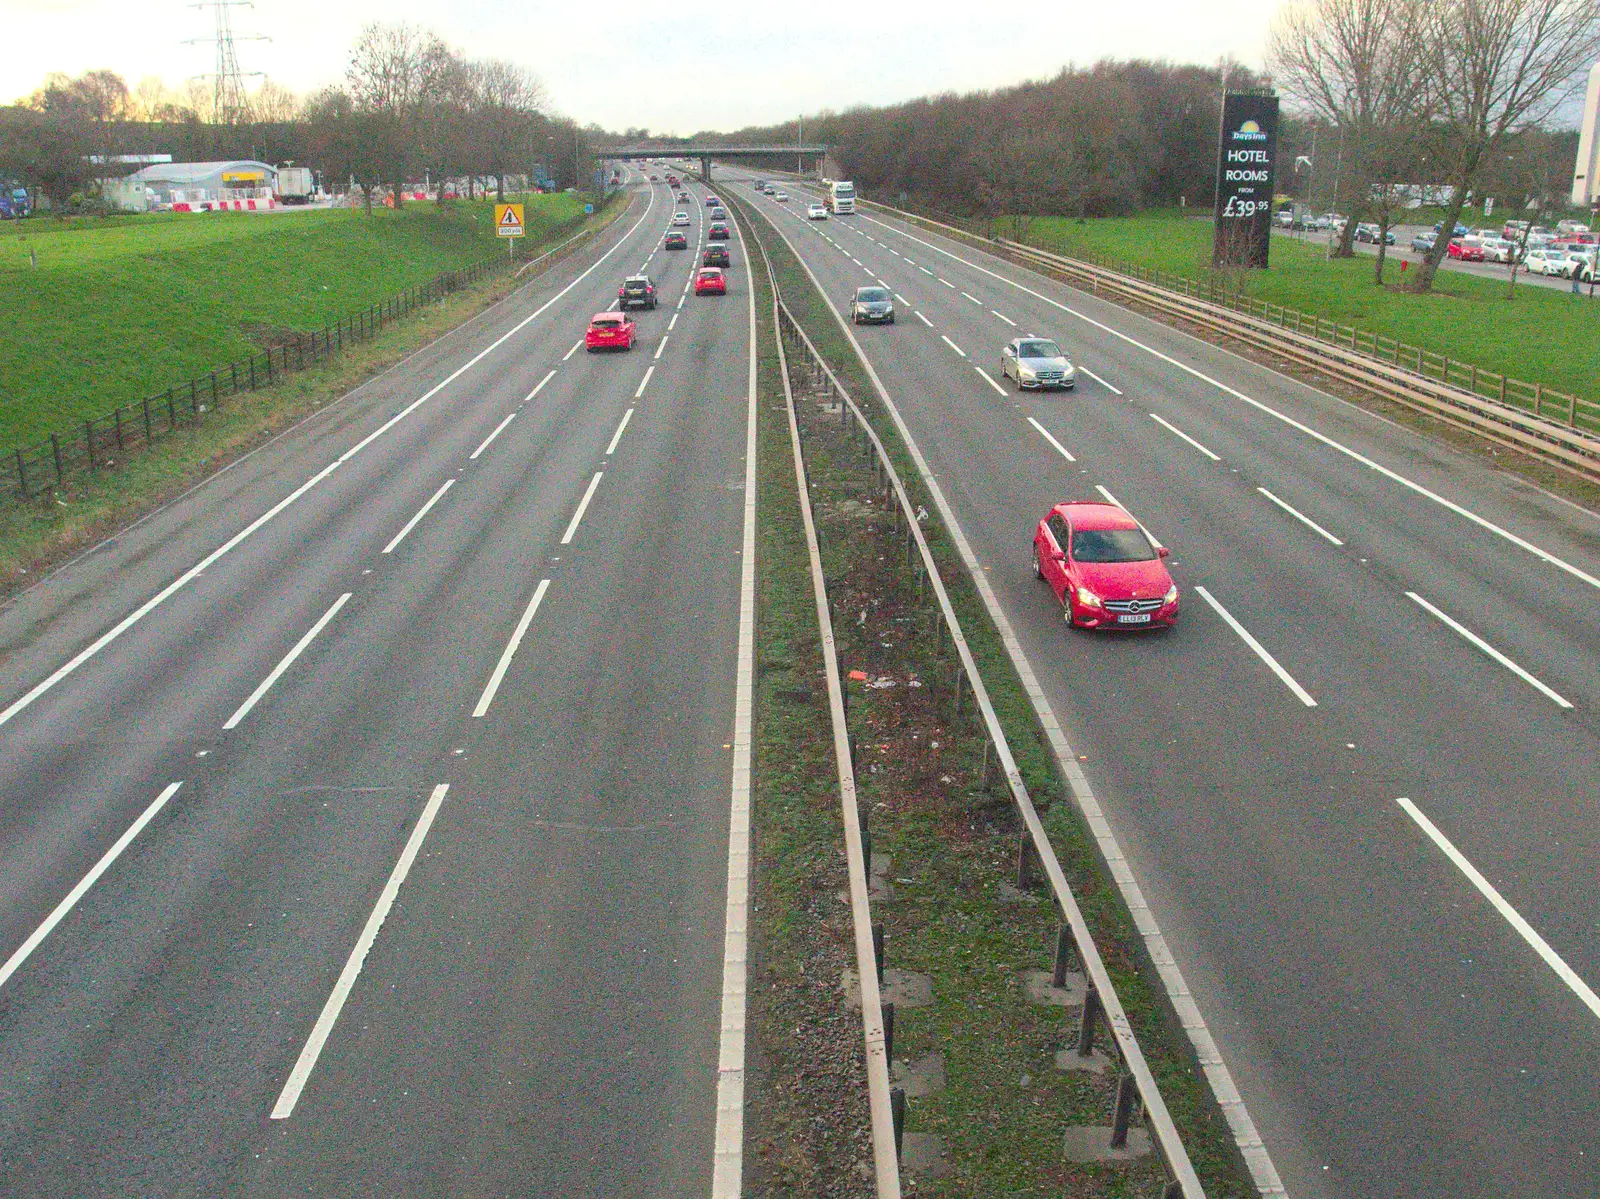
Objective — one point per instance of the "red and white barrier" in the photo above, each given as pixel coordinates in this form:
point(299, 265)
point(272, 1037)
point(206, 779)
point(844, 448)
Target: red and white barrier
point(225, 205)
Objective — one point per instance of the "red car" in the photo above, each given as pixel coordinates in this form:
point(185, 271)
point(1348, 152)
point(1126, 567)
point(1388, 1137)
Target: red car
point(1467, 253)
point(609, 331)
point(1104, 568)
point(710, 282)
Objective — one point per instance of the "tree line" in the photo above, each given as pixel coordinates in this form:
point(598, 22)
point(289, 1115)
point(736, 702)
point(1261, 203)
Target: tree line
point(410, 108)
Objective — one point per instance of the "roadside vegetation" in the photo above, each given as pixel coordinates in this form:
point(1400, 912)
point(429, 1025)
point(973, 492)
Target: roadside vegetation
point(123, 307)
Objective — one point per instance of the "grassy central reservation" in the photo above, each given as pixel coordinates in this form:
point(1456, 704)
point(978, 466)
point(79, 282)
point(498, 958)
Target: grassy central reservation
point(123, 307)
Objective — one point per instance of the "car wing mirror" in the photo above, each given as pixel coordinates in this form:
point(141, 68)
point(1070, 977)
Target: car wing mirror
point(1059, 555)
point(1163, 551)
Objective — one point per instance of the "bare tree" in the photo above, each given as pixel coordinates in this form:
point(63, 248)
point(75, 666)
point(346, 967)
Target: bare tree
point(1496, 67)
point(393, 73)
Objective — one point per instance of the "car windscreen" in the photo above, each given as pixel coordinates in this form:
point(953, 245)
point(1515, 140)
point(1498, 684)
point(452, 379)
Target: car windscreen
point(872, 295)
point(1111, 545)
point(1039, 349)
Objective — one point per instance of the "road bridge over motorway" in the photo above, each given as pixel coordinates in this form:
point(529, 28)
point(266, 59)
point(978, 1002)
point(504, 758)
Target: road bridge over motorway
point(749, 154)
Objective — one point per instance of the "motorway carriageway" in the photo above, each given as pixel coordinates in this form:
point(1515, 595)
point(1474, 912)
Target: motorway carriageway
point(366, 820)
point(1359, 783)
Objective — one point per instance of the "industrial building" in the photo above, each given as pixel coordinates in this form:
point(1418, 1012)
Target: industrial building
point(194, 187)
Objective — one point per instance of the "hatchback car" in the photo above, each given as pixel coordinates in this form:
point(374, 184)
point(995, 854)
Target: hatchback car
point(816, 212)
point(781, 197)
point(680, 219)
point(710, 282)
point(872, 306)
point(675, 241)
point(609, 331)
point(1037, 362)
point(1422, 243)
point(715, 256)
point(712, 201)
point(718, 213)
point(1104, 568)
point(1467, 249)
point(636, 291)
point(1538, 262)
point(717, 232)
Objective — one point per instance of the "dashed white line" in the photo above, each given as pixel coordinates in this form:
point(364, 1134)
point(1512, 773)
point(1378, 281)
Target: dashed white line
point(660, 347)
point(947, 283)
point(900, 297)
point(974, 299)
point(510, 651)
point(644, 382)
point(1171, 428)
point(953, 346)
point(1114, 391)
point(1301, 517)
point(421, 512)
point(485, 444)
point(1061, 449)
point(1512, 917)
point(617, 436)
point(1284, 676)
point(1005, 318)
point(925, 270)
point(583, 506)
point(60, 911)
point(288, 660)
point(673, 323)
point(307, 1062)
point(1478, 641)
point(923, 319)
point(538, 387)
point(988, 378)
point(576, 346)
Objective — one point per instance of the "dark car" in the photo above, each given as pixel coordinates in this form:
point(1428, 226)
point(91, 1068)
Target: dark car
point(637, 291)
point(675, 241)
point(717, 232)
point(1369, 233)
point(715, 256)
point(1423, 243)
point(1461, 230)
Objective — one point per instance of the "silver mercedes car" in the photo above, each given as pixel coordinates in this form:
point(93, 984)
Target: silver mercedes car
point(1037, 362)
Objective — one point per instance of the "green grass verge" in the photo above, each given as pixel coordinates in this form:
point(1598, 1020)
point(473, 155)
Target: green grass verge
point(1538, 334)
point(123, 307)
point(954, 842)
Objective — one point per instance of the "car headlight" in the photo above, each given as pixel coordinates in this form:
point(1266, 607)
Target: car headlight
point(1088, 598)
point(1171, 597)
point(1026, 371)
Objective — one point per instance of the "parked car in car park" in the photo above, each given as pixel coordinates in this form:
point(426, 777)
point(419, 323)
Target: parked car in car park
point(872, 306)
point(636, 290)
point(710, 282)
point(609, 331)
point(1498, 249)
point(1037, 362)
point(1580, 265)
point(1104, 568)
point(1538, 262)
point(715, 255)
point(1461, 230)
point(1422, 243)
point(1467, 249)
point(1368, 232)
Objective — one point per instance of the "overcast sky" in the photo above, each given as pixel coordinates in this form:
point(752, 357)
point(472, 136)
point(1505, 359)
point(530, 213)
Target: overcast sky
point(672, 67)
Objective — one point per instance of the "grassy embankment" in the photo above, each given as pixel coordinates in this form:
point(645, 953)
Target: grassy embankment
point(120, 308)
point(1541, 335)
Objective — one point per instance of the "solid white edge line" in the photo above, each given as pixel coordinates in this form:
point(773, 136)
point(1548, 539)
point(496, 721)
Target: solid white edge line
point(644, 382)
point(59, 912)
point(583, 506)
point(924, 320)
point(1450, 505)
point(200, 567)
point(953, 346)
point(989, 379)
point(1512, 917)
point(510, 651)
point(617, 436)
point(1006, 319)
point(1114, 391)
point(1301, 517)
point(421, 512)
point(538, 387)
point(728, 1147)
point(288, 660)
point(1060, 449)
point(485, 444)
point(1499, 657)
point(1242, 1125)
point(1171, 428)
point(307, 1061)
point(1260, 650)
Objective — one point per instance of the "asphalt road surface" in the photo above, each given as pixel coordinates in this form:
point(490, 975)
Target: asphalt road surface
point(365, 811)
point(1360, 781)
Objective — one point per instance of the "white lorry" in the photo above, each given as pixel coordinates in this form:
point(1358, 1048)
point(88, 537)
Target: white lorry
point(840, 196)
point(296, 185)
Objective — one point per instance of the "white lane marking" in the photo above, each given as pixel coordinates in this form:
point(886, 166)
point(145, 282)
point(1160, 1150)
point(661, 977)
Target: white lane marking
point(510, 651)
point(728, 1146)
point(1284, 676)
point(583, 506)
point(644, 382)
point(485, 444)
point(617, 436)
point(307, 1061)
point(1301, 517)
point(683, 297)
point(1005, 318)
point(660, 347)
point(1114, 391)
point(288, 660)
point(900, 297)
point(1171, 428)
point(673, 323)
point(59, 912)
point(1111, 499)
point(953, 346)
point(539, 386)
point(988, 378)
point(1060, 449)
point(1478, 641)
point(1394, 476)
point(925, 270)
point(576, 346)
point(199, 568)
point(1512, 917)
point(947, 283)
point(421, 512)
point(974, 299)
point(924, 320)
point(894, 251)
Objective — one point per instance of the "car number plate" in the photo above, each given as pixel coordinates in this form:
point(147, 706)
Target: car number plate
point(1134, 618)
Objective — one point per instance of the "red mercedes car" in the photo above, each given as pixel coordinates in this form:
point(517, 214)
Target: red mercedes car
point(710, 282)
point(1104, 568)
point(609, 331)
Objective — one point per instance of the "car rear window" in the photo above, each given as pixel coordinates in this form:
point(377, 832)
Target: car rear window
point(1111, 545)
point(610, 322)
point(1039, 349)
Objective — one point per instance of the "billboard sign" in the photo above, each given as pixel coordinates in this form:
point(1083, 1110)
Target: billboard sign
point(1246, 165)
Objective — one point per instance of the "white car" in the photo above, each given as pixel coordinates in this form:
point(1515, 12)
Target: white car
point(816, 212)
point(680, 218)
point(1498, 249)
point(1538, 262)
point(781, 197)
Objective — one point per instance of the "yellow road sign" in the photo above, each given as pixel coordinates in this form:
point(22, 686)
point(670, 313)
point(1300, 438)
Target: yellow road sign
point(508, 220)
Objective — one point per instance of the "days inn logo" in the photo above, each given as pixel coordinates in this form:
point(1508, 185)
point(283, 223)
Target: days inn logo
point(1249, 132)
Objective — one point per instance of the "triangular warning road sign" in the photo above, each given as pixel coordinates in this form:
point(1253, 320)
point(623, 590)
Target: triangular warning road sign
point(510, 218)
